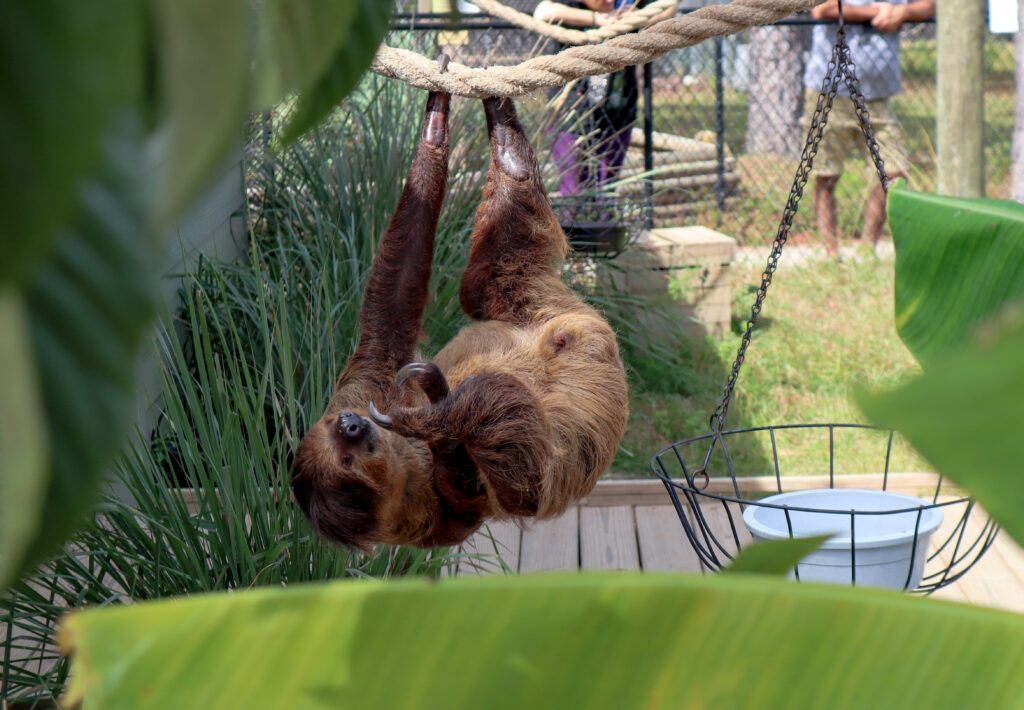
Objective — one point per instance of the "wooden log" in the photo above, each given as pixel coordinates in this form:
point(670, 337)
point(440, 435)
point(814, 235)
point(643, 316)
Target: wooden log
point(679, 169)
point(961, 109)
point(678, 183)
point(689, 147)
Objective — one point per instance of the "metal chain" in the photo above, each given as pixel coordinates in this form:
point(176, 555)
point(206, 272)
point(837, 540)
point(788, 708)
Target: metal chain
point(840, 66)
point(859, 104)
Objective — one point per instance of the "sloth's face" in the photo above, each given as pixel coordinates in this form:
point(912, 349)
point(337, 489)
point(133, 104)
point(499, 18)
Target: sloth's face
point(341, 479)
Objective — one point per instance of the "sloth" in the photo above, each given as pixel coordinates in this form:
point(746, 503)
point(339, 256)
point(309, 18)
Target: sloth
point(515, 418)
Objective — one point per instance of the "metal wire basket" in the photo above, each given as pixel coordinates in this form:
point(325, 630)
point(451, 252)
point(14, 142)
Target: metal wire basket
point(711, 488)
point(599, 225)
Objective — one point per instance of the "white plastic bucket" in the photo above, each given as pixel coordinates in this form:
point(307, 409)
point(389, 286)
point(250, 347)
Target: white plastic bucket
point(885, 550)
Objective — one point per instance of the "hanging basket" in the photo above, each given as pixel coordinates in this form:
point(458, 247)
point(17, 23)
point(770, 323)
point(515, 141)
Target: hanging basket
point(600, 226)
point(907, 531)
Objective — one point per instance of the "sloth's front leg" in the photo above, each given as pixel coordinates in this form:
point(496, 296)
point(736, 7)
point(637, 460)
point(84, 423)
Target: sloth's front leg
point(504, 431)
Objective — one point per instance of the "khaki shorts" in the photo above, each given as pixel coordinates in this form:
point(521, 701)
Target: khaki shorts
point(843, 136)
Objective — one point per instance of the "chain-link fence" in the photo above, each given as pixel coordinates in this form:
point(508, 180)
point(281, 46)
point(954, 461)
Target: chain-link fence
point(726, 118)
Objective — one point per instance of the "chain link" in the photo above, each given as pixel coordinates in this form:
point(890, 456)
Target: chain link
point(840, 67)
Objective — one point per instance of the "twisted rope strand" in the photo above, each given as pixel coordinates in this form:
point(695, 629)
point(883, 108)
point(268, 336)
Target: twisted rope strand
point(634, 20)
point(586, 60)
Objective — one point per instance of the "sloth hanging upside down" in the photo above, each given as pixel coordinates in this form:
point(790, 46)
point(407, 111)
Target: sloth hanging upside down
point(515, 418)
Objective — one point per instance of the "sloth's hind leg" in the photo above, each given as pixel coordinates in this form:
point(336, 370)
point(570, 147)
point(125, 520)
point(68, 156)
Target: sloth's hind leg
point(517, 246)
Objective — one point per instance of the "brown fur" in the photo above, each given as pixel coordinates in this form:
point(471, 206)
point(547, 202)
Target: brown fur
point(516, 417)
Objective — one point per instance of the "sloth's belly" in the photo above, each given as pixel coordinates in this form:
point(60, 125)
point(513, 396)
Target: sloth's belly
point(551, 354)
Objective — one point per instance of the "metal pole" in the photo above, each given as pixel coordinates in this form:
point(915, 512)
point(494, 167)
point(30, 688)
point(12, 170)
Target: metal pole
point(719, 125)
point(648, 148)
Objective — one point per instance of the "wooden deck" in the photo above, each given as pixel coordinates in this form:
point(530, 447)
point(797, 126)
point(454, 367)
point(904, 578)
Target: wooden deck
point(631, 525)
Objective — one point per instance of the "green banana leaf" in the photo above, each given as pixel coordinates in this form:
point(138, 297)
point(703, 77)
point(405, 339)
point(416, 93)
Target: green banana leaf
point(79, 253)
point(204, 52)
point(85, 311)
point(774, 556)
point(354, 50)
point(957, 262)
point(24, 474)
point(562, 641)
point(69, 67)
point(965, 415)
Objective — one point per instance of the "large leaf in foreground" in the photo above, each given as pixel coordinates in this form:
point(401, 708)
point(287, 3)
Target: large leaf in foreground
point(571, 641)
point(68, 66)
point(964, 415)
point(204, 60)
point(353, 53)
point(957, 261)
point(87, 308)
point(23, 454)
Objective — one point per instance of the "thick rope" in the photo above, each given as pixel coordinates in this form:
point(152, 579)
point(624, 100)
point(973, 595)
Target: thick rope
point(634, 20)
point(577, 62)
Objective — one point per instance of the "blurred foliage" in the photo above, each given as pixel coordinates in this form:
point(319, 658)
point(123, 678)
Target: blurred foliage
point(100, 91)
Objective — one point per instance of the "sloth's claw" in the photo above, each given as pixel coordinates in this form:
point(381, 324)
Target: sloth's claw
point(428, 376)
point(381, 420)
point(413, 369)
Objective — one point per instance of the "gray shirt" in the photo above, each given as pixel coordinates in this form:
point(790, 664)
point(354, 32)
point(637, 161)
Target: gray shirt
point(876, 57)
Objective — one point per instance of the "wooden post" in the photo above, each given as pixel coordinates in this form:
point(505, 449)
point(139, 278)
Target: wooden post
point(1017, 171)
point(961, 109)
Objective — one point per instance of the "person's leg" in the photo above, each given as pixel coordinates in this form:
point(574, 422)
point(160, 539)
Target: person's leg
point(825, 209)
point(613, 155)
point(874, 212)
point(828, 167)
point(892, 149)
point(567, 156)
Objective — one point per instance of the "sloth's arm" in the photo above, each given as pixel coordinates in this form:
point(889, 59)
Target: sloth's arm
point(396, 293)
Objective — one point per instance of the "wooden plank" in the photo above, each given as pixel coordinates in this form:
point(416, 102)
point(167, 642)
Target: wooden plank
point(991, 581)
point(652, 492)
point(664, 546)
point(497, 542)
point(608, 539)
point(551, 544)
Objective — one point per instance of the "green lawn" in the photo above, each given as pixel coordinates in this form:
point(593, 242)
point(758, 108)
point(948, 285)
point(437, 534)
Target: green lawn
point(826, 328)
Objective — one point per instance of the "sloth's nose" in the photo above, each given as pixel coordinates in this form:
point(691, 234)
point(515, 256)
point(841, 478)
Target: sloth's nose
point(353, 426)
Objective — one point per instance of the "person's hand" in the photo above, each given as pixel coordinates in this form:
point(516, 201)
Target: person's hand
point(624, 10)
point(826, 11)
point(888, 17)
